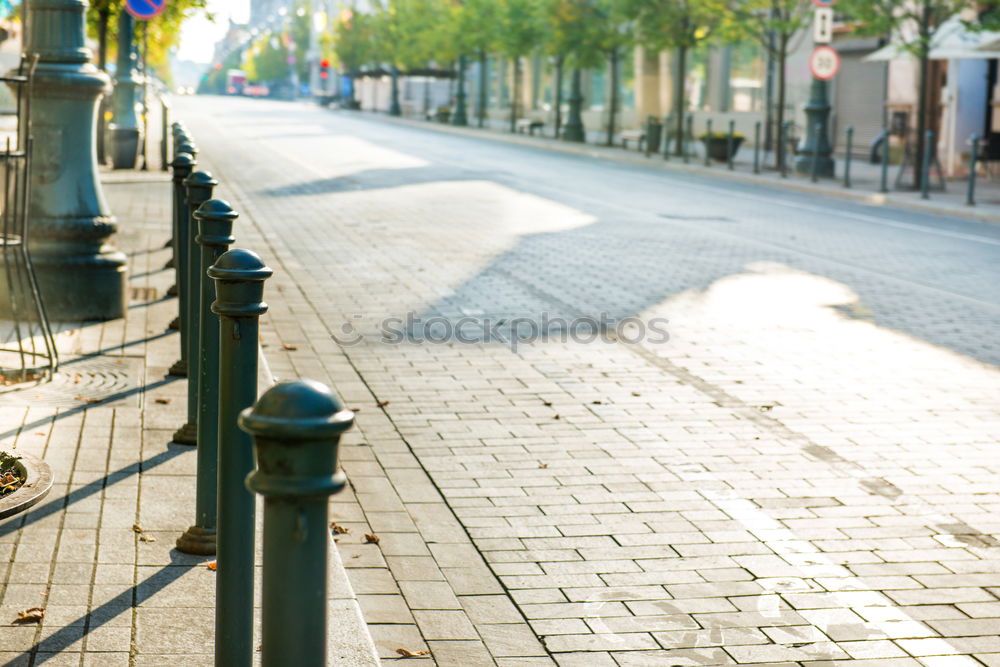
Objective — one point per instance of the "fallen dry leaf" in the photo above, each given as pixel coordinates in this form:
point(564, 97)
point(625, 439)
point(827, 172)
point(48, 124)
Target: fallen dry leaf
point(289, 347)
point(146, 538)
point(163, 401)
point(338, 530)
point(597, 402)
point(136, 528)
point(543, 465)
point(371, 539)
point(407, 653)
point(212, 565)
point(635, 393)
point(382, 404)
point(557, 417)
point(87, 400)
point(547, 404)
point(33, 615)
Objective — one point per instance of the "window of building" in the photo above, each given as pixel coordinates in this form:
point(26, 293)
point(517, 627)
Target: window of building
point(747, 67)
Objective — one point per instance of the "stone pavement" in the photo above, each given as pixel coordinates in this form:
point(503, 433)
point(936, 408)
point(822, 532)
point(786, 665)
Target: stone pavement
point(805, 473)
point(98, 553)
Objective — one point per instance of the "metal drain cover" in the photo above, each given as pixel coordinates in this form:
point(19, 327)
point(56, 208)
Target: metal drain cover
point(82, 381)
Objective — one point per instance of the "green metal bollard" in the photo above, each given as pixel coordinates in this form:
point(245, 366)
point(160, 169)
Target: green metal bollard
point(847, 156)
point(688, 135)
point(814, 167)
point(215, 234)
point(925, 176)
point(884, 187)
point(296, 428)
point(183, 164)
point(649, 136)
point(708, 138)
point(729, 144)
point(756, 147)
point(668, 125)
point(783, 147)
point(164, 134)
point(239, 277)
point(970, 195)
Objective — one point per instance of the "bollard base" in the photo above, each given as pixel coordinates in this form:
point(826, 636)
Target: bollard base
point(179, 369)
point(175, 324)
point(172, 290)
point(198, 541)
point(186, 435)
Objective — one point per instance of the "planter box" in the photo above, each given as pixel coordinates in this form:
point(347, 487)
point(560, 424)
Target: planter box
point(718, 147)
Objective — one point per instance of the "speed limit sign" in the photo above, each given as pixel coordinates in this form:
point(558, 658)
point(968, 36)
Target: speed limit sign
point(824, 63)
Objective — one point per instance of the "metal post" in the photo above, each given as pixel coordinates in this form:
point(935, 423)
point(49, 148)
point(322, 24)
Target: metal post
point(239, 277)
point(460, 116)
point(183, 164)
point(925, 177)
point(200, 186)
point(970, 197)
point(215, 234)
point(756, 147)
point(164, 134)
point(783, 147)
point(814, 167)
point(815, 146)
point(708, 138)
point(688, 135)
point(729, 145)
point(81, 275)
point(884, 188)
point(667, 125)
point(296, 428)
point(573, 130)
point(649, 136)
point(847, 156)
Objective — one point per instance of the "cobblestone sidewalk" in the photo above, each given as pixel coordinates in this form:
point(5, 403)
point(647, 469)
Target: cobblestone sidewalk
point(805, 475)
point(98, 553)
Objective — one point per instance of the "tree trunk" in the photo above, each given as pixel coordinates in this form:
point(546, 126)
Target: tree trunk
point(558, 94)
point(681, 74)
point(481, 111)
point(102, 38)
point(613, 95)
point(779, 155)
point(516, 89)
point(922, 84)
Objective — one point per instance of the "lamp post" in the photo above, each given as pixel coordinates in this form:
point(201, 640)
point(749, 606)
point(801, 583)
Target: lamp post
point(460, 117)
point(124, 129)
point(80, 274)
point(573, 131)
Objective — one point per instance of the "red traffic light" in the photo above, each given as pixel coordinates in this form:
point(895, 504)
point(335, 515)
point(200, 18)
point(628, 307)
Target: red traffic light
point(324, 75)
point(325, 64)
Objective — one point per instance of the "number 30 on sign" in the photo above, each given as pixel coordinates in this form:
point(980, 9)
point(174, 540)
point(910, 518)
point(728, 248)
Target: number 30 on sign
point(824, 63)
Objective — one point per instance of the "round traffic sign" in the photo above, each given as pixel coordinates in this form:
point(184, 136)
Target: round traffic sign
point(145, 9)
point(823, 3)
point(824, 63)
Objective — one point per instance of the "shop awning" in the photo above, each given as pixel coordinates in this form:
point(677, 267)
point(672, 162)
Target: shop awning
point(952, 41)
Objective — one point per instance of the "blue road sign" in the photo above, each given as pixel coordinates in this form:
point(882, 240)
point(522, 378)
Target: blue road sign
point(144, 10)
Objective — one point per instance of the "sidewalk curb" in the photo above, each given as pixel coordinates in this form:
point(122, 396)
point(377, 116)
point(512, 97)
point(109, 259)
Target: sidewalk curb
point(873, 199)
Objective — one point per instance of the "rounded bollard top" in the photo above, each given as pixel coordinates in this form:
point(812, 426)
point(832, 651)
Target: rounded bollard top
point(295, 411)
point(200, 179)
point(215, 223)
point(239, 284)
point(183, 160)
point(187, 146)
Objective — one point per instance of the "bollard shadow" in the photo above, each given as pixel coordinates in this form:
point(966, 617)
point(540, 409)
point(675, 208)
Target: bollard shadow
point(131, 598)
point(378, 179)
point(116, 348)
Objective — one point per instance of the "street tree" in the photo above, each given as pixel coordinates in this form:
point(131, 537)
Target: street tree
point(164, 31)
point(474, 31)
point(521, 31)
point(353, 44)
point(585, 32)
point(913, 25)
point(681, 25)
point(773, 24)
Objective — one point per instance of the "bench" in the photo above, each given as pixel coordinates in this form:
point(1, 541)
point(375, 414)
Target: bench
point(528, 125)
point(638, 136)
